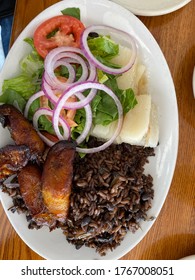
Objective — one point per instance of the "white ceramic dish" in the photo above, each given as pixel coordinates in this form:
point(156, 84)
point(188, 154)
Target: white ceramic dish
point(152, 7)
point(189, 258)
point(53, 245)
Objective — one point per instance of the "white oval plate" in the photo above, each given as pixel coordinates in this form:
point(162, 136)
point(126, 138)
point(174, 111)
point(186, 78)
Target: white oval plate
point(53, 245)
point(152, 7)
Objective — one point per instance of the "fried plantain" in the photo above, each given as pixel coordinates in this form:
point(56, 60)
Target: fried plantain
point(57, 178)
point(12, 159)
point(29, 179)
point(21, 130)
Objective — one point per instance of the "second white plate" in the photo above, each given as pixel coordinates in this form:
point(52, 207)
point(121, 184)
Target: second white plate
point(152, 7)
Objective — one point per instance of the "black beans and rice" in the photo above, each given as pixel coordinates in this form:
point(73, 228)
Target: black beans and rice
point(110, 196)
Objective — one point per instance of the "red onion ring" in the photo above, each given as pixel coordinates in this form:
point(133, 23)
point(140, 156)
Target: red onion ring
point(88, 111)
point(71, 70)
point(30, 101)
point(125, 37)
point(71, 54)
point(75, 90)
point(48, 91)
point(62, 121)
point(69, 105)
point(58, 84)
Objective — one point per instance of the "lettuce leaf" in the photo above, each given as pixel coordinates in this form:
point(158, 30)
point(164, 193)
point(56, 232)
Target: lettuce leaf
point(104, 49)
point(103, 106)
point(29, 81)
point(22, 84)
point(104, 109)
point(103, 46)
point(73, 12)
point(80, 119)
point(12, 97)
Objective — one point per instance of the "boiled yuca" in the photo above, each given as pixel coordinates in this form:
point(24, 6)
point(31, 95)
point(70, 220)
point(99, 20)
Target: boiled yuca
point(133, 77)
point(138, 125)
point(136, 121)
point(152, 137)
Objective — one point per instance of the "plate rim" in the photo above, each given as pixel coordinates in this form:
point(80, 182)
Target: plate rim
point(154, 12)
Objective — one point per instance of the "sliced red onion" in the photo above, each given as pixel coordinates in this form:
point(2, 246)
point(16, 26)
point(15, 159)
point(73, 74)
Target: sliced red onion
point(30, 101)
point(48, 91)
point(69, 55)
point(76, 91)
point(62, 121)
point(91, 69)
point(73, 89)
point(88, 111)
point(88, 123)
point(71, 70)
point(52, 54)
point(50, 72)
point(118, 36)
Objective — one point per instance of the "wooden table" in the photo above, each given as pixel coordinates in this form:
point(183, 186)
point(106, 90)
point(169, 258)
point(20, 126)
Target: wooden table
point(173, 234)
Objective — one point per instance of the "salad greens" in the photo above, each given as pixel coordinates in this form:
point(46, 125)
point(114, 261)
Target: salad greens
point(103, 46)
point(74, 12)
point(17, 90)
point(20, 88)
point(12, 97)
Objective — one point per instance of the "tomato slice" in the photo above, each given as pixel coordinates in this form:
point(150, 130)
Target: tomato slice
point(62, 30)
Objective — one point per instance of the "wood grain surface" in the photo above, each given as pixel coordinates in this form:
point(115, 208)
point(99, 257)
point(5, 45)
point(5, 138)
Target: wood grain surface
point(173, 233)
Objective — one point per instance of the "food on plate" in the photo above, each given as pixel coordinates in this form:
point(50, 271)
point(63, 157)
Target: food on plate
point(29, 179)
point(12, 159)
point(140, 125)
point(22, 131)
point(45, 188)
point(58, 31)
point(90, 124)
point(111, 194)
point(56, 181)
